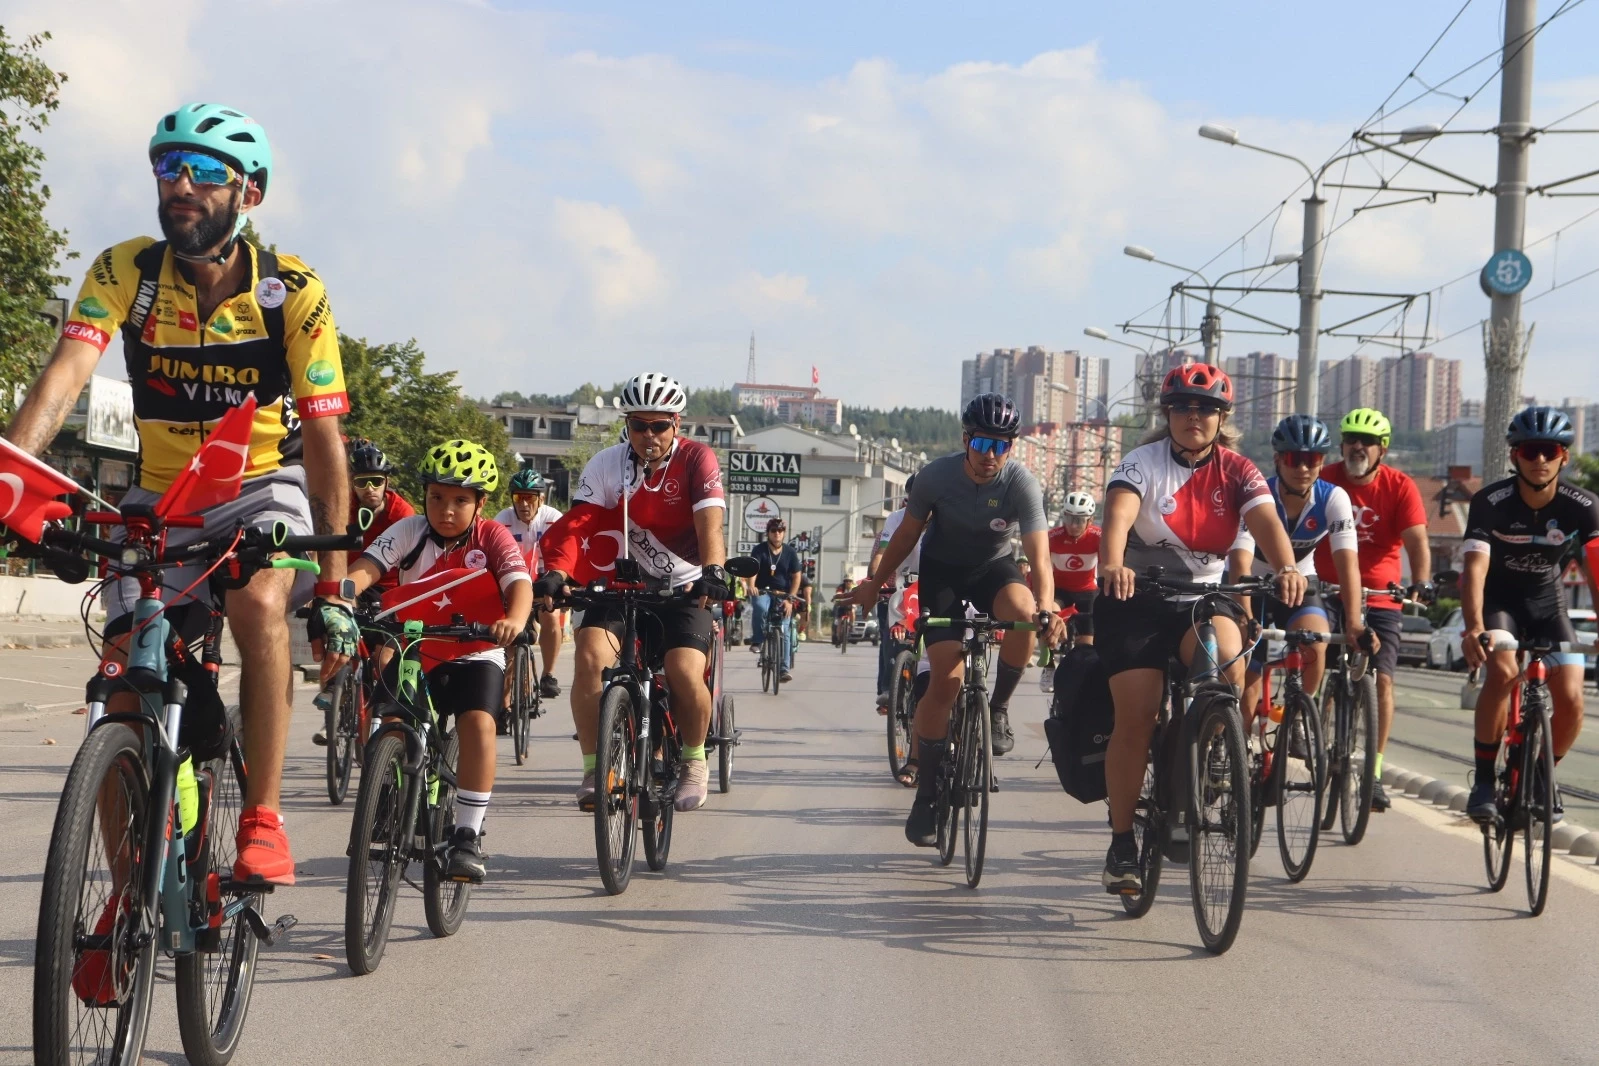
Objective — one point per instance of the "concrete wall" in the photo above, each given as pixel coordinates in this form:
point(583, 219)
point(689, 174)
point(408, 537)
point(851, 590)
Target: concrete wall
point(43, 595)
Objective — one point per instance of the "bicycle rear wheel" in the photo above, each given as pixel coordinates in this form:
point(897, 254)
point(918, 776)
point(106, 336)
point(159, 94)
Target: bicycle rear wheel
point(1498, 839)
point(444, 901)
point(616, 792)
point(725, 746)
point(1147, 829)
point(657, 823)
point(343, 726)
point(380, 842)
point(948, 812)
point(1218, 865)
point(1297, 766)
point(1257, 797)
point(1538, 803)
point(88, 938)
point(521, 702)
point(214, 982)
point(901, 710)
point(977, 774)
point(1360, 771)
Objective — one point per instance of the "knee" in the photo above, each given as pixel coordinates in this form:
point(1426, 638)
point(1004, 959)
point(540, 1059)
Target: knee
point(1499, 673)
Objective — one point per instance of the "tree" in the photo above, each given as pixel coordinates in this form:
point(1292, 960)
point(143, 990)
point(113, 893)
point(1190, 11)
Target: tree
point(29, 247)
point(406, 410)
point(250, 234)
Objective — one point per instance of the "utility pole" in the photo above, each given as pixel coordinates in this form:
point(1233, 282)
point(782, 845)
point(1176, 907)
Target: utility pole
point(1309, 298)
point(1210, 333)
point(749, 371)
point(1504, 344)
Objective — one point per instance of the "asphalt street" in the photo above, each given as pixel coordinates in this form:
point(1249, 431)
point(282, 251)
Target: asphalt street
point(795, 924)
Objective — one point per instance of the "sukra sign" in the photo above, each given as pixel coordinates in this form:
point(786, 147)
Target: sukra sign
point(763, 474)
point(783, 463)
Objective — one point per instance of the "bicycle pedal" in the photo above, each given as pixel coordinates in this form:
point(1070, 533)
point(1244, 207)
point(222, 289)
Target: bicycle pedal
point(269, 935)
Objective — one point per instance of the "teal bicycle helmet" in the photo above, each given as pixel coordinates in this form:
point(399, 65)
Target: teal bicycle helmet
point(529, 480)
point(218, 130)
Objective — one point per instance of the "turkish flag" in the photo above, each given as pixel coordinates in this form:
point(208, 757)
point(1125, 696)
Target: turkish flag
point(216, 472)
point(816, 376)
point(471, 592)
point(31, 486)
point(585, 544)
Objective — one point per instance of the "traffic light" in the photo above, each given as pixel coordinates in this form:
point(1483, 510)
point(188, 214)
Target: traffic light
point(810, 569)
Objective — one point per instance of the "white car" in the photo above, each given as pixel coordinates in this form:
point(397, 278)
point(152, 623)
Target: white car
point(1443, 650)
point(1586, 623)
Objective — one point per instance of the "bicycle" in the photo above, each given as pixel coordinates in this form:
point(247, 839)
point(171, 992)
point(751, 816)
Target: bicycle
point(162, 820)
point(1196, 778)
point(902, 701)
point(526, 703)
point(966, 776)
point(1349, 726)
point(404, 804)
point(723, 735)
point(1289, 769)
point(775, 645)
point(347, 717)
point(1524, 772)
point(842, 621)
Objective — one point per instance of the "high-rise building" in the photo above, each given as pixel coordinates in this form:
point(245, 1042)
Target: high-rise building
point(1419, 391)
point(1585, 421)
point(1093, 387)
point(1345, 385)
point(1263, 387)
point(1043, 384)
point(1471, 409)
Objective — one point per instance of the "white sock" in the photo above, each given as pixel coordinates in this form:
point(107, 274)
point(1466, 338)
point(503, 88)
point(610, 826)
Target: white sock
point(470, 807)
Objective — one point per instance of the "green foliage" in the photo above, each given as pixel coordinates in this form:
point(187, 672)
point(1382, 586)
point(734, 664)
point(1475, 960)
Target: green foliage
point(1584, 471)
point(926, 429)
point(406, 410)
point(249, 233)
point(1439, 612)
point(29, 247)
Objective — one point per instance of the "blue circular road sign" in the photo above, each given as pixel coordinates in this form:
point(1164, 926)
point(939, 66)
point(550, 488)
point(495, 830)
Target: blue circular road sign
point(1506, 273)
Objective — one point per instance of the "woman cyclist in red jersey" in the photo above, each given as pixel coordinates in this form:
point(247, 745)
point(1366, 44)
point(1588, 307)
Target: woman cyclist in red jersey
point(1174, 502)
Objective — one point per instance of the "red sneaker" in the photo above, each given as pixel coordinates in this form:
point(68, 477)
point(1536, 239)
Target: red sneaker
point(92, 978)
point(263, 848)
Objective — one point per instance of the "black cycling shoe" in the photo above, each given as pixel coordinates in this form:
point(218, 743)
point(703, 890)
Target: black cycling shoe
point(1000, 733)
point(465, 857)
point(502, 723)
point(1379, 798)
point(549, 687)
point(1558, 813)
point(1480, 806)
point(1122, 876)
point(921, 828)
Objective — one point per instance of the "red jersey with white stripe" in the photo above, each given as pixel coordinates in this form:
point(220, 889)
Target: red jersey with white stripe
point(1074, 559)
point(661, 505)
point(395, 507)
point(1188, 514)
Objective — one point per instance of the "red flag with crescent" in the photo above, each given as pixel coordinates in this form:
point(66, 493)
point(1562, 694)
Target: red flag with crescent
point(27, 490)
point(585, 543)
point(435, 600)
point(216, 472)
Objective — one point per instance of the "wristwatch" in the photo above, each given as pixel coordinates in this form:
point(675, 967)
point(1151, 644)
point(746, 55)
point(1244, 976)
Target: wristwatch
point(344, 590)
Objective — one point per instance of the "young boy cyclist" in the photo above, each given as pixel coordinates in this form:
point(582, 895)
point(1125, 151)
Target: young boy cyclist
point(452, 534)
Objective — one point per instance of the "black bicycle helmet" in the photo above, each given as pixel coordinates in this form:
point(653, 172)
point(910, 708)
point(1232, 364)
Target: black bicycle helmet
point(1541, 423)
point(368, 458)
point(992, 415)
point(1301, 433)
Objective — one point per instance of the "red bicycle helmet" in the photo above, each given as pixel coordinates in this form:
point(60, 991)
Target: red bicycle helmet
point(1199, 381)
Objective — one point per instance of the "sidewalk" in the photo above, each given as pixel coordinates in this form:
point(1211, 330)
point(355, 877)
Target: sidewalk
point(40, 631)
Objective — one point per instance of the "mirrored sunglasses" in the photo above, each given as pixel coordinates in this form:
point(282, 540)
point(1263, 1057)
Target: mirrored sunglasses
point(1364, 440)
point(202, 169)
point(1306, 459)
point(370, 482)
point(1539, 451)
point(990, 445)
point(643, 425)
point(1204, 410)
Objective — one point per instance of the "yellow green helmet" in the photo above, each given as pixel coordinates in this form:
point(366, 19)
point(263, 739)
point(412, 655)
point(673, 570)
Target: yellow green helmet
point(1369, 421)
point(461, 462)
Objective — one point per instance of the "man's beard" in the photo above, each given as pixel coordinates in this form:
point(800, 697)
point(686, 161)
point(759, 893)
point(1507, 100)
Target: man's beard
point(1359, 465)
point(202, 234)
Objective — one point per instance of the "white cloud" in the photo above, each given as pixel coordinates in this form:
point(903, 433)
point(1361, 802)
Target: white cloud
point(619, 271)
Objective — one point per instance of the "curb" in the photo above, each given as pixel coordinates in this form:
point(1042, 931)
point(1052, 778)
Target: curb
point(15, 641)
point(1578, 841)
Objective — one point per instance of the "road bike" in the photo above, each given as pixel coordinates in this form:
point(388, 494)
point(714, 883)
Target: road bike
point(1193, 806)
point(966, 775)
point(526, 705)
point(405, 802)
point(1288, 762)
point(1349, 727)
point(1524, 771)
point(902, 701)
point(141, 854)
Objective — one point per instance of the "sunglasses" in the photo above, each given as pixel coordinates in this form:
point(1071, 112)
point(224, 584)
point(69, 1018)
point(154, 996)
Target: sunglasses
point(1305, 459)
point(1539, 451)
point(202, 169)
point(369, 482)
point(1204, 410)
point(990, 446)
point(1362, 440)
point(642, 425)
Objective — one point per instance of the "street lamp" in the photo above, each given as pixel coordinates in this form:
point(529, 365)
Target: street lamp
point(1101, 335)
point(1210, 327)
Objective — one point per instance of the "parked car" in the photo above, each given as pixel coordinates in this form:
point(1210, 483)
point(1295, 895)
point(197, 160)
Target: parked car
point(1415, 637)
point(1443, 648)
point(1586, 623)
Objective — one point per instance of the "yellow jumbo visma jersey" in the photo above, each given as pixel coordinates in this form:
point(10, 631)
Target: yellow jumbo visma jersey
point(275, 338)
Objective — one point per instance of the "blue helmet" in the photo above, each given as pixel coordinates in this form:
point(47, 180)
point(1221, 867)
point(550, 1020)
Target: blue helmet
point(1301, 433)
point(1541, 423)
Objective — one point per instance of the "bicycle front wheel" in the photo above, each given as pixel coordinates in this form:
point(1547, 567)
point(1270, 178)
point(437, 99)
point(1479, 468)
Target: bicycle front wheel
point(1147, 832)
point(1538, 805)
point(901, 710)
point(214, 982)
point(977, 773)
point(1297, 766)
point(779, 655)
point(1498, 839)
point(767, 658)
point(1360, 771)
point(380, 842)
point(444, 901)
point(1218, 866)
point(615, 790)
point(521, 702)
point(1334, 729)
point(342, 724)
point(92, 977)
point(725, 746)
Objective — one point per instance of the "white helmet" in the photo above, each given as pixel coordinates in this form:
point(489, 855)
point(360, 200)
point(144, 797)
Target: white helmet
point(1078, 505)
point(653, 392)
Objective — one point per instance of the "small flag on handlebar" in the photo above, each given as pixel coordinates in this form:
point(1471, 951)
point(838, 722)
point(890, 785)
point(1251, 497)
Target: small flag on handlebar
point(216, 472)
point(30, 487)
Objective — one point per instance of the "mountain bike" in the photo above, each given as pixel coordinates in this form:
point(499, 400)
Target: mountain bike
point(1524, 772)
point(404, 805)
point(1349, 727)
point(141, 855)
point(1289, 769)
point(347, 716)
point(1193, 806)
point(966, 776)
point(775, 645)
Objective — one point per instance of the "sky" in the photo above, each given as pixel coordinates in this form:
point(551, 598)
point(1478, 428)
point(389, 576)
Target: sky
point(543, 196)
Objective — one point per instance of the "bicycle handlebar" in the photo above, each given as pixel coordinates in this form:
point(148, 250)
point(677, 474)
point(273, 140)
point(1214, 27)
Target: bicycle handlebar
point(1537, 646)
point(1153, 580)
point(981, 624)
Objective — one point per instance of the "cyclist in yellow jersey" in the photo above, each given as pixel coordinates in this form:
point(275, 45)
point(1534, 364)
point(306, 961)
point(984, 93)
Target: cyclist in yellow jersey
point(207, 320)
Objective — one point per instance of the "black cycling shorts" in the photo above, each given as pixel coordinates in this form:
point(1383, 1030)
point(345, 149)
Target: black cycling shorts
point(1274, 614)
point(1385, 622)
point(1144, 633)
point(672, 625)
point(944, 586)
point(1082, 622)
point(455, 687)
point(1532, 621)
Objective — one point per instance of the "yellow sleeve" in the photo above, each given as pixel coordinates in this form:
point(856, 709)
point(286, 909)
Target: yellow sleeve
point(316, 373)
point(107, 293)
